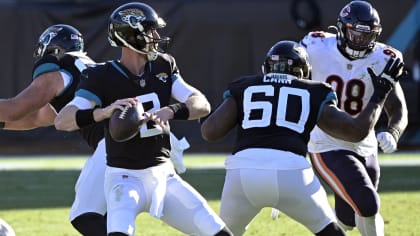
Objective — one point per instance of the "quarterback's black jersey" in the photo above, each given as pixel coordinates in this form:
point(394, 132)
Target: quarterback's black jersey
point(106, 83)
point(277, 112)
point(72, 65)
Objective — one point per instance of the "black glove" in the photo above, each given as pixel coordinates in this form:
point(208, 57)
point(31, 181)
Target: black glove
point(385, 81)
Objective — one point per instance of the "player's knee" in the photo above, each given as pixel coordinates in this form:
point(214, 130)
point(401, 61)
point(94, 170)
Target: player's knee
point(207, 222)
point(224, 232)
point(90, 224)
point(331, 229)
point(346, 226)
point(369, 206)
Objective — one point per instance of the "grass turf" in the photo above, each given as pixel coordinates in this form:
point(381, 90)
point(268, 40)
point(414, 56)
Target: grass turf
point(36, 194)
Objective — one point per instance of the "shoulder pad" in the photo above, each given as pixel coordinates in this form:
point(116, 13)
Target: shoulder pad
point(45, 64)
point(316, 37)
point(387, 51)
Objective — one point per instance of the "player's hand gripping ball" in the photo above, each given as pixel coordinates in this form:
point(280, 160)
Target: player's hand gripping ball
point(124, 124)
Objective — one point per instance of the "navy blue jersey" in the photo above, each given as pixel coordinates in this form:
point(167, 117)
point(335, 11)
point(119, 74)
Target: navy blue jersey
point(111, 81)
point(277, 112)
point(72, 65)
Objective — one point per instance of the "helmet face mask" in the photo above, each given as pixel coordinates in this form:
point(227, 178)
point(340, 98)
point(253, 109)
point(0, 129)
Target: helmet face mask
point(287, 57)
point(59, 39)
point(358, 29)
point(134, 25)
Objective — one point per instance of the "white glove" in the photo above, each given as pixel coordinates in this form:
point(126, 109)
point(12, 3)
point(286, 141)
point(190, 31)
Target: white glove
point(275, 213)
point(177, 152)
point(387, 142)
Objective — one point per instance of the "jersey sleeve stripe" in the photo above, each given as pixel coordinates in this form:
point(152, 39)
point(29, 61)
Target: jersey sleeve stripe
point(45, 68)
point(119, 69)
point(330, 98)
point(89, 95)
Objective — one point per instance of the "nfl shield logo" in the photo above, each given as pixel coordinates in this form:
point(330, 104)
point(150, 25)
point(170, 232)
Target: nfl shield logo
point(142, 83)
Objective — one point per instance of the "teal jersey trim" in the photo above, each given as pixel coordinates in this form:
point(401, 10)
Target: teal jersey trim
point(331, 97)
point(45, 68)
point(119, 69)
point(89, 96)
point(227, 94)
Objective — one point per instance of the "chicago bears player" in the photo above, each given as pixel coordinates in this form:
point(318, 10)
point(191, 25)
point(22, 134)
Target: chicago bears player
point(275, 113)
point(60, 58)
point(139, 177)
point(351, 169)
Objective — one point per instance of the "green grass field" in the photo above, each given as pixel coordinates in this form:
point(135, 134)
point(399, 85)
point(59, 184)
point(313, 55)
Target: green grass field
point(36, 193)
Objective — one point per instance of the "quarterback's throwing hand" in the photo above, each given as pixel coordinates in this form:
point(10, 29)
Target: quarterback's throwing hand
point(387, 142)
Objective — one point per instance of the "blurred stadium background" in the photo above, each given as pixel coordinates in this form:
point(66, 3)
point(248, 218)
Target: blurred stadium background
point(213, 41)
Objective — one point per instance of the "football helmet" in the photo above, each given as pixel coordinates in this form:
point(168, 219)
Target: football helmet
point(358, 28)
point(59, 39)
point(133, 25)
point(287, 57)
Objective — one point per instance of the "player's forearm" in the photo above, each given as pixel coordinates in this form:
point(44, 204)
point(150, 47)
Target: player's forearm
point(66, 119)
point(12, 111)
point(367, 119)
point(198, 106)
point(397, 113)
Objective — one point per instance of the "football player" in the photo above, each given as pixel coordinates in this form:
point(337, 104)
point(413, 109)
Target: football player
point(351, 169)
point(139, 177)
point(274, 114)
point(60, 58)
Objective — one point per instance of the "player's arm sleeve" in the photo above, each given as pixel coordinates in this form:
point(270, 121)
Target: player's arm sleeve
point(181, 90)
point(330, 99)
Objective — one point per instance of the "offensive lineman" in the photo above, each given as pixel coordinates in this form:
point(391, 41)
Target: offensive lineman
point(138, 176)
point(60, 58)
point(351, 169)
point(274, 114)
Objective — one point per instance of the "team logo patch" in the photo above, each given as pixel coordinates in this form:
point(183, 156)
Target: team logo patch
point(162, 77)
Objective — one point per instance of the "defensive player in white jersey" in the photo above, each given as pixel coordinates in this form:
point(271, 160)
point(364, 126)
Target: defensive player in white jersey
point(351, 169)
point(274, 114)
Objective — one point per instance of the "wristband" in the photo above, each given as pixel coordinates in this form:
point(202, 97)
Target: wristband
point(180, 111)
point(85, 117)
point(2, 123)
point(395, 133)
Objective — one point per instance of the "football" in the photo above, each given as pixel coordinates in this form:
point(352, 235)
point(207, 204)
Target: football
point(124, 124)
point(6, 229)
